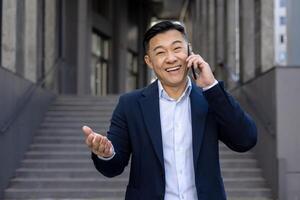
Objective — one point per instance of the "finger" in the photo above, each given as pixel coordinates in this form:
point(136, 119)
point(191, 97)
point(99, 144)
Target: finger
point(107, 148)
point(87, 130)
point(89, 140)
point(96, 141)
point(193, 61)
point(102, 145)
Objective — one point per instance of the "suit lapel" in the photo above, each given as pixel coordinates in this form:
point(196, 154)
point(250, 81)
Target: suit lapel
point(150, 108)
point(199, 109)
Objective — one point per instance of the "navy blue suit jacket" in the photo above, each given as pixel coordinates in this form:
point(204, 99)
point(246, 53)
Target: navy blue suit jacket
point(135, 131)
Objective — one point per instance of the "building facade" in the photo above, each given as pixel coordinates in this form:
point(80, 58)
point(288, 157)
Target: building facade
point(93, 47)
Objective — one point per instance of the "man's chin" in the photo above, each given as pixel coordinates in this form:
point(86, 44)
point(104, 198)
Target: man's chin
point(176, 83)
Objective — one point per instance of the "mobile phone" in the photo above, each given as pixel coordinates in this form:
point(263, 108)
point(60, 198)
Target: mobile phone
point(193, 70)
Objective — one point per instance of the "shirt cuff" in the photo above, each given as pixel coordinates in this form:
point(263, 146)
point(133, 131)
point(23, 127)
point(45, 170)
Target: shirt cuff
point(108, 158)
point(212, 85)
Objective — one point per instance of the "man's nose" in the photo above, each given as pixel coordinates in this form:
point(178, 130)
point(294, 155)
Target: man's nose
point(171, 57)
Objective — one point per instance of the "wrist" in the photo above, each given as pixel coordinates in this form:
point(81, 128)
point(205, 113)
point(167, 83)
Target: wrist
point(210, 85)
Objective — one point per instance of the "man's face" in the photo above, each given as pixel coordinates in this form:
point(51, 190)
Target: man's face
point(167, 55)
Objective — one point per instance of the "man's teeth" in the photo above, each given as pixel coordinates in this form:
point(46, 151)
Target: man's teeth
point(172, 69)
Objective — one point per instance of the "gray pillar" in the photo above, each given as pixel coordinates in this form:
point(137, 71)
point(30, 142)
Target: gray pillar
point(68, 72)
point(232, 43)
point(204, 28)
point(220, 39)
point(83, 48)
point(50, 39)
point(247, 39)
point(8, 46)
point(120, 46)
point(197, 29)
point(20, 40)
point(267, 35)
point(30, 41)
point(211, 34)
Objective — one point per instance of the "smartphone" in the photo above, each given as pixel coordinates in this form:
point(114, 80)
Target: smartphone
point(193, 70)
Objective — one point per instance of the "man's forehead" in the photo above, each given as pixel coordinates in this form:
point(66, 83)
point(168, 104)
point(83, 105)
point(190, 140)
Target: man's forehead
point(166, 38)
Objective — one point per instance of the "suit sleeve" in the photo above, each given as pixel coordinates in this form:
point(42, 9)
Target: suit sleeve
point(236, 128)
point(118, 135)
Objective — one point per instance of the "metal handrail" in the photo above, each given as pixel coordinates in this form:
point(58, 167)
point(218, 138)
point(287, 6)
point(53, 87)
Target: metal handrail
point(23, 100)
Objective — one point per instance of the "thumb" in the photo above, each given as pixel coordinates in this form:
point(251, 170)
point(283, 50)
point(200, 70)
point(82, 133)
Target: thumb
point(87, 130)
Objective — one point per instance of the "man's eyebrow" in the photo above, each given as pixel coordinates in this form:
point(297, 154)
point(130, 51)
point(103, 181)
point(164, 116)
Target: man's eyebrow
point(160, 46)
point(177, 41)
point(157, 47)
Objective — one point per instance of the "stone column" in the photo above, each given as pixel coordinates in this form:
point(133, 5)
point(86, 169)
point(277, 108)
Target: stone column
point(9, 34)
point(203, 29)
point(30, 40)
point(247, 40)
point(211, 34)
point(232, 43)
point(220, 39)
point(50, 38)
point(267, 35)
point(83, 50)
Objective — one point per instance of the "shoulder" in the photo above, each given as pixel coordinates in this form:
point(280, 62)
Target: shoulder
point(138, 93)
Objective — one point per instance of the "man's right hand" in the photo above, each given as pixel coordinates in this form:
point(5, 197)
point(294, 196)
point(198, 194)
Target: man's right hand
point(97, 143)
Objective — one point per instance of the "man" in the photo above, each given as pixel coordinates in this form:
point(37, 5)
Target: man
point(171, 128)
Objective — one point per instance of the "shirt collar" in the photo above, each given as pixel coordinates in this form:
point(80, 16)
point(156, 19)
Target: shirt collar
point(164, 95)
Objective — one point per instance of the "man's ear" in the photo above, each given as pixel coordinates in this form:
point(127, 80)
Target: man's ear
point(148, 61)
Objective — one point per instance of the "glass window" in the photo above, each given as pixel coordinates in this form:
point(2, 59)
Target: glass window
point(282, 20)
point(99, 64)
point(282, 3)
point(101, 7)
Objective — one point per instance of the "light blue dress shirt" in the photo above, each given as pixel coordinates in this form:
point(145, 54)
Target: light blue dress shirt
point(176, 128)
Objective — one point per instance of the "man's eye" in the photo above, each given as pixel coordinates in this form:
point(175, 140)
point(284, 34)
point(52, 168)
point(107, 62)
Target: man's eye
point(159, 53)
point(177, 49)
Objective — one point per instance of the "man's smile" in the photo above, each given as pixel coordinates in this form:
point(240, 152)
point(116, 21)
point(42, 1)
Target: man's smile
point(172, 69)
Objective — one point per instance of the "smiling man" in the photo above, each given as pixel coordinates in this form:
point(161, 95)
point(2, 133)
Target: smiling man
point(171, 128)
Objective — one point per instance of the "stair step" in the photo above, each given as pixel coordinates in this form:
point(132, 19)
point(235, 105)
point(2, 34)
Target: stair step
point(248, 182)
point(85, 103)
point(59, 147)
point(238, 163)
point(80, 119)
point(74, 125)
point(241, 172)
point(63, 193)
point(57, 163)
point(92, 113)
point(90, 172)
point(249, 192)
point(82, 108)
point(69, 183)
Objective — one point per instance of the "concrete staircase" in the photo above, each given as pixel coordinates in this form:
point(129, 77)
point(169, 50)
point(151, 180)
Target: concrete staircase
point(58, 165)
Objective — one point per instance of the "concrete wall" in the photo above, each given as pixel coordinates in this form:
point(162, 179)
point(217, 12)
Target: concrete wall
point(259, 99)
point(15, 140)
point(288, 127)
point(273, 100)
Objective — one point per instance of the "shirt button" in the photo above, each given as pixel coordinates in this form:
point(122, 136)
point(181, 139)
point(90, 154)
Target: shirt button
point(180, 171)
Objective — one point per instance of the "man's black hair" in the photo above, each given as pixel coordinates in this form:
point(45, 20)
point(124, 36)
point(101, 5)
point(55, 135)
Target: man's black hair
point(162, 27)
